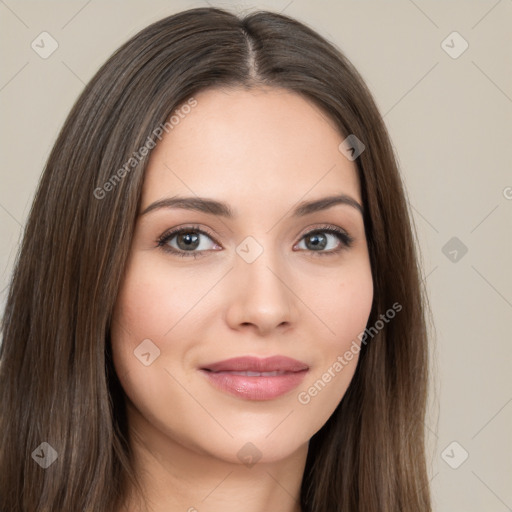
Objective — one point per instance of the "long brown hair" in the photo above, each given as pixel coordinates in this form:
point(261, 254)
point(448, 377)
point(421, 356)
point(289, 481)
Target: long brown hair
point(57, 380)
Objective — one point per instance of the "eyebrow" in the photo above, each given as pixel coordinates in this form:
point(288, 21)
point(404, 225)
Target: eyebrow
point(222, 209)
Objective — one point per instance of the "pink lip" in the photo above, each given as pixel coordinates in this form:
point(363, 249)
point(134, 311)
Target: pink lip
point(225, 375)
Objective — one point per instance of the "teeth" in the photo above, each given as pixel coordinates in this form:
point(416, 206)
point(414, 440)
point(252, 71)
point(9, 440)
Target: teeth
point(257, 374)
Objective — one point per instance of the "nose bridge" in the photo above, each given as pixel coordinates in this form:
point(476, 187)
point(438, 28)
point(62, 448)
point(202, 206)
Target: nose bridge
point(262, 296)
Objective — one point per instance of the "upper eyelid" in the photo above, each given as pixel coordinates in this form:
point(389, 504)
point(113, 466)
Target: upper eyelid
point(171, 233)
point(168, 235)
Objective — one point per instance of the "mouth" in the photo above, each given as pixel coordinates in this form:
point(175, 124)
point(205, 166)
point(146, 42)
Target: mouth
point(253, 378)
point(254, 374)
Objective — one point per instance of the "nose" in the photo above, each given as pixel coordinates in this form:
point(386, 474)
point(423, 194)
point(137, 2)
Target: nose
point(261, 296)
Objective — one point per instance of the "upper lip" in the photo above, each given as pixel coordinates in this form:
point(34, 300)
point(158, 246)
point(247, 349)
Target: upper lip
point(255, 364)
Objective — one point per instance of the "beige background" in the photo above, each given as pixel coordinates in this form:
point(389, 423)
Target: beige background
point(450, 120)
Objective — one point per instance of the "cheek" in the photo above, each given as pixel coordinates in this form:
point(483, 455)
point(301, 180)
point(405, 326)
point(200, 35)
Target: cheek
point(149, 306)
point(143, 311)
point(353, 305)
point(343, 302)
point(155, 313)
point(153, 300)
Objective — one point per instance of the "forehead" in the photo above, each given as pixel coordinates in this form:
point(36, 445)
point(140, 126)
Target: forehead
point(240, 145)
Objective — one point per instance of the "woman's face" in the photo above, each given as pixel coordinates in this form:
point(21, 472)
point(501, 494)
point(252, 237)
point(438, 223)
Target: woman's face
point(232, 331)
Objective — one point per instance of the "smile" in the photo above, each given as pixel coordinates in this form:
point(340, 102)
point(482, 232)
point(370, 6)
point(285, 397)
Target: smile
point(252, 378)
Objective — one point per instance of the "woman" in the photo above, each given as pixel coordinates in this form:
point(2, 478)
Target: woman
point(217, 302)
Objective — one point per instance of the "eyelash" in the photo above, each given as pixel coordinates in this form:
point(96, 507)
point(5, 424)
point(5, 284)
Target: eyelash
point(345, 239)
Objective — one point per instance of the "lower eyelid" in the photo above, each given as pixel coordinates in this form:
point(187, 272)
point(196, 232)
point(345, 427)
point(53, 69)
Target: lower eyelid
point(345, 242)
point(164, 240)
point(344, 238)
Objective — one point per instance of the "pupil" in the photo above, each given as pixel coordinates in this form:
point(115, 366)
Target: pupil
point(190, 241)
point(314, 241)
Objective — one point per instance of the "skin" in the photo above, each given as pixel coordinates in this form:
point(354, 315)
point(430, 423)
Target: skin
point(262, 151)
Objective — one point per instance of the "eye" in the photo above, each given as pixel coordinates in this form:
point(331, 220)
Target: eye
point(326, 240)
point(194, 241)
point(187, 241)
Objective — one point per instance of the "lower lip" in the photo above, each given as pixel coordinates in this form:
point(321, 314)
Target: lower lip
point(255, 388)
